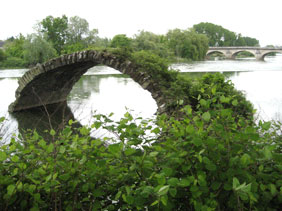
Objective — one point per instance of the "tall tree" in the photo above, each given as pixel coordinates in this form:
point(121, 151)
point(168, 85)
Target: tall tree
point(78, 29)
point(14, 46)
point(121, 41)
point(219, 36)
point(37, 49)
point(2, 55)
point(187, 44)
point(149, 41)
point(55, 30)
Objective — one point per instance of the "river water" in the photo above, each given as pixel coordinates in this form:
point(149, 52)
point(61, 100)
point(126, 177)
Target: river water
point(105, 90)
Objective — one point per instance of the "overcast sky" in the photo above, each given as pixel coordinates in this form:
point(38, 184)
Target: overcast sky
point(260, 19)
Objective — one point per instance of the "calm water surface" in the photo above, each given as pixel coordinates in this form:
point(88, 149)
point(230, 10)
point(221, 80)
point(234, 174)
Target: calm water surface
point(261, 81)
point(105, 90)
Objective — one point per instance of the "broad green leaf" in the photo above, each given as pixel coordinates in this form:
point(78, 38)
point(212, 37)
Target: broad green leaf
point(15, 159)
point(10, 189)
point(52, 132)
point(20, 186)
point(184, 183)
point(236, 183)
point(153, 154)
point(266, 125)
point(85, 187)
point(42, 143)
point(190, 129)
point(243, 195)
point(215, 185)
point(3, 156)
point(168, 171)
point(164, 200)
point(213, 90)
point(118, 195)
point(155, 203)
point(114, 148)
point(245, 159)
point(273, 189)
point(203, 102)
point(156, 130)
point(147, 191)
point(206, 116)
point(180, 102)
point(234, 102)
point(98, 192)
point(173, 181)
point(62, 149)
point(129, 151)
point(267, 153)
point(161, 180)
point(163, 190)
point(34, 209)
point(172, 192)
point(70, 122)
point(50, 148)
point(2, 119)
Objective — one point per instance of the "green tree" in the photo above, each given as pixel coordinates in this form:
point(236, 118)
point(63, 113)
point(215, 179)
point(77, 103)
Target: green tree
point(2, 55)
point(187, 44)
point(37, 49)
point(219, 36)
point(14, 46)
point(92, 37)
point(78, 29)
point(251, 41)
point(149, 41)
point(55, 30)
point(240, 41)
point(121, 41)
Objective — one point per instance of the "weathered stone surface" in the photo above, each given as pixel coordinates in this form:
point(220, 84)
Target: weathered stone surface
point(51, 82)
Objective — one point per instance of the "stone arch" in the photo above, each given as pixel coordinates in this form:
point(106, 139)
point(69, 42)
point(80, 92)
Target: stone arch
point(264, 54)
point(234, 54)
point(51, 82)
point(215, 51)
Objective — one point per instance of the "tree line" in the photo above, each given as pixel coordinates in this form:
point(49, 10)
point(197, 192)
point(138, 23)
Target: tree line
point(55, 36)
point(219, 36)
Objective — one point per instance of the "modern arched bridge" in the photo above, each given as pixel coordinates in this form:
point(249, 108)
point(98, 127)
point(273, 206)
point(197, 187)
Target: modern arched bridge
point(51, 82)
point(231, 52)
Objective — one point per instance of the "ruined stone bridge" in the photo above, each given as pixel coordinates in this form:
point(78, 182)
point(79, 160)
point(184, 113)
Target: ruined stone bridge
point(231, 52)
point(52, 82)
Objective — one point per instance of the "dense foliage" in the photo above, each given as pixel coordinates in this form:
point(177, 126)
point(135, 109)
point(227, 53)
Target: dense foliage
point(187, 44)
point(55, 36)
point(207, 155)
point(219, 36)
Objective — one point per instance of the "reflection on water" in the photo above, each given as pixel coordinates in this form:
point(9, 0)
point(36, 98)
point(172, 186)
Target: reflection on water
point(109, 93)
point(272, 63)
point(105, 90)
point(259, 80)
point(43, 119)
point(93, 92)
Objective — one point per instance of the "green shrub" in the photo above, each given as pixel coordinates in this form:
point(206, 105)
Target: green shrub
point(13, 62)
point(2, 55)
point(207, 161)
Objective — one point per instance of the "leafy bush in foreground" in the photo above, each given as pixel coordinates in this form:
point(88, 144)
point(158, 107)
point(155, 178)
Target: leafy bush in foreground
point(206, 161)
